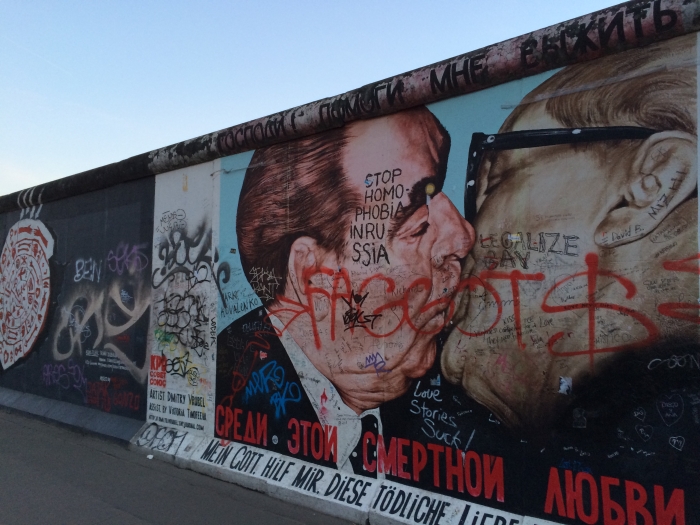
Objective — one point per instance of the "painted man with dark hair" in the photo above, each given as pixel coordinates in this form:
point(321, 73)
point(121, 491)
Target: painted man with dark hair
point(356, 254)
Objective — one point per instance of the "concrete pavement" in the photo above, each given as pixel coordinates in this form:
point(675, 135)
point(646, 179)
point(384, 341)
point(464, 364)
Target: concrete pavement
point(53, 475)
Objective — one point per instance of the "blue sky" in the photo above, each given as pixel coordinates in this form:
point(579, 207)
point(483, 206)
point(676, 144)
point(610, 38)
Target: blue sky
point(84, 84)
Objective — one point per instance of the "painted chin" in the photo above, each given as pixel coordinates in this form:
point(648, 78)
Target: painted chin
point(434, 320)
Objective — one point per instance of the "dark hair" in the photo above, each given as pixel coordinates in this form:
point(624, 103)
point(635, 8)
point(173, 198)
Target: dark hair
point(652, 87)
point(291, 190)
point(299, 188)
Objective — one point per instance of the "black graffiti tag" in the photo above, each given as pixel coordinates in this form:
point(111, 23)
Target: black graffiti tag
point(181, 366)
point(354, 317)
point(185, 316)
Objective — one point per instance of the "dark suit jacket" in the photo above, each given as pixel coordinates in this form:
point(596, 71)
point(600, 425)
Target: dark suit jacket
point(252, 360)
point(435, 412)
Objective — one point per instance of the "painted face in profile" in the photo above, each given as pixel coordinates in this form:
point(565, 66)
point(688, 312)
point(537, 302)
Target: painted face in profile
point(378, 307)
point(565, 244)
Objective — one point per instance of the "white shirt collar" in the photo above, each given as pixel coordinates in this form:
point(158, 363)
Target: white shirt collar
point(329, 407)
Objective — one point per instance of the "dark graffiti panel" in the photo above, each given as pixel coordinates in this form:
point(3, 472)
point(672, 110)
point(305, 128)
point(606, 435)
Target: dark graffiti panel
point(76, 299)
point(494, 298)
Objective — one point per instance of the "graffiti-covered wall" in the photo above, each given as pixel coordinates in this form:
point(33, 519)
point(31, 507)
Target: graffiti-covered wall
point(491, 298)
point(478, 307)
point(76, 298)
point(184, 281)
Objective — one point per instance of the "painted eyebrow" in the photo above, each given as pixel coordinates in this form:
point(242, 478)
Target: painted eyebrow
point(497, 173)
point(417, 200)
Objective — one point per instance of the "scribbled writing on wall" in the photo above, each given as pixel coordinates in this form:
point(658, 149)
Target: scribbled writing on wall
point(184, 281)
point(111, 392)
point(271, 378)
point(95, 322)
point(185, 273)
point(101, 322)
point(127, 258)
point(161, 438)
point(66, 376)
point(382, 202)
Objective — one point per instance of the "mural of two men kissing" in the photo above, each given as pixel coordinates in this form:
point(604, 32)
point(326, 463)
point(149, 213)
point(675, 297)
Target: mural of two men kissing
point(539, 355)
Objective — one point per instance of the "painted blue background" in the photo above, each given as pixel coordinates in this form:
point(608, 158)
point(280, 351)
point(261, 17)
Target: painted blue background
point(239, 296)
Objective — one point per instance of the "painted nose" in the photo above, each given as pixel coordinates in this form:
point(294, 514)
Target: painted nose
point(455, 236)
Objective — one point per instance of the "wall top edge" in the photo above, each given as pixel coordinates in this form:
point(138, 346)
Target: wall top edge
point(612, 30)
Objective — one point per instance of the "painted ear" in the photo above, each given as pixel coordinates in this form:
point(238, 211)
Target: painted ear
point(302, 259)
point(306, 258)
point(663, 174)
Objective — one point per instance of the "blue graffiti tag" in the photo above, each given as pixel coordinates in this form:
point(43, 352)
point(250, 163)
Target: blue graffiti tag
point(285, 391)
point(378, 362)
point(291, 392)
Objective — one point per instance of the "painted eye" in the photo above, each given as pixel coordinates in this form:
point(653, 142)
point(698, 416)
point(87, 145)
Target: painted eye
point(421, 229)
point(492, 185)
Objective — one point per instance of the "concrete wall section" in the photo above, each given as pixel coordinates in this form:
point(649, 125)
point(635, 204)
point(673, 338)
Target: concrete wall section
point(76, 299)
point(185, 273)
point(489, 300)
point(476, 310)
